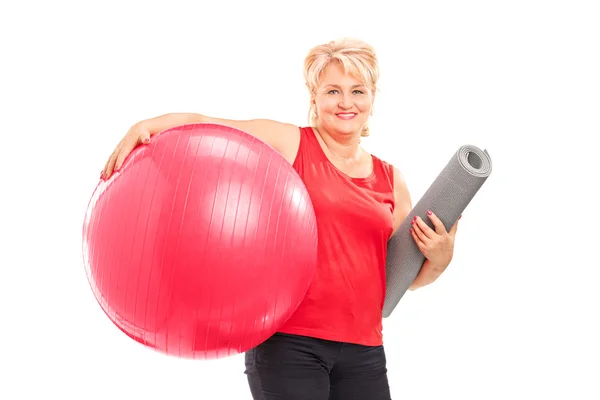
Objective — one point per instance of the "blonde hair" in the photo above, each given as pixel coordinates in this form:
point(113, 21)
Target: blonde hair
point(356, 57)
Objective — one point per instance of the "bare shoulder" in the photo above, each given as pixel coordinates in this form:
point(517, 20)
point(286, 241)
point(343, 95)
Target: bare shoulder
point(284, 137)
point(402, 198)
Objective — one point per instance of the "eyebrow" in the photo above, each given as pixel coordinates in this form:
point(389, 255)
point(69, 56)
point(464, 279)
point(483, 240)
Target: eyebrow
point(338, 87)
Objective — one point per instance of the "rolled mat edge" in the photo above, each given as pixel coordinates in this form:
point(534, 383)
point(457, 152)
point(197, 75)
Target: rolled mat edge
point(447, 197)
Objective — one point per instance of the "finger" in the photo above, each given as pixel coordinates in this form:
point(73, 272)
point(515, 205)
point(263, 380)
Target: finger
point(424, 228)
point(131, 141)
point(440, 229)
point(144, 136)
point(141, 133)
point(418, 241)
point(105, 168)
point(110, 164)
point(125, 150)
point(419, 231)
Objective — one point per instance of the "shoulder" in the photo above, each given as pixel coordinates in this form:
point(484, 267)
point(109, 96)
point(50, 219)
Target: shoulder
point(400, 186)
point(402, 199)
point(286, 140)
point(395, 176)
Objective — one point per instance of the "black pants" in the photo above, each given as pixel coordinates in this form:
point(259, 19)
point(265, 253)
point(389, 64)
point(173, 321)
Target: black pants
point(291, 367)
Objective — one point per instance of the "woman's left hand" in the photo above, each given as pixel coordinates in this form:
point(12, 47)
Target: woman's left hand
point(436, 245)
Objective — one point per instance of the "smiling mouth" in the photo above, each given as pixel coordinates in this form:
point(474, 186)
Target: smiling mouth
point(346, 115)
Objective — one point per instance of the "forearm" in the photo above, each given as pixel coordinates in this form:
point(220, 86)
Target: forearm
point(167, 121)
point(427, 275)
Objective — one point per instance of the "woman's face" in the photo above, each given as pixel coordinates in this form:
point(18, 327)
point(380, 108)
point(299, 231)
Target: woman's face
point(342, 102)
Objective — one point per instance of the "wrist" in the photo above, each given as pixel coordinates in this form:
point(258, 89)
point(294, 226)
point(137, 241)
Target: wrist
point(168, 121)
point(193, 118)
point(434, 268)
point(177, 119)
point(427, 275)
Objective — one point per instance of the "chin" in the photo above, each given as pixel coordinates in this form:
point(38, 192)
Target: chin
point(349, 127)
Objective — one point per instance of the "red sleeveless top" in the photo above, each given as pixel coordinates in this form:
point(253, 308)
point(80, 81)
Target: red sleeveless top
point(354, 221)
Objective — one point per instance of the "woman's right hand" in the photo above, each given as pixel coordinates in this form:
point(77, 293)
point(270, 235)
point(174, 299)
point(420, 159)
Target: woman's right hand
point(140, 133)
point(137, 134)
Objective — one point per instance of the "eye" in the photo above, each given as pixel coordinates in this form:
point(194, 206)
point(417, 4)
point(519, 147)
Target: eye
point(335, 91)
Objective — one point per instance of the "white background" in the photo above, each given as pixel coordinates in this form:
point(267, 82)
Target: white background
point(516, 314)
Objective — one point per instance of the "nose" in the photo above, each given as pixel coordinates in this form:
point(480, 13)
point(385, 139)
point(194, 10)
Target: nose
point(345, 101)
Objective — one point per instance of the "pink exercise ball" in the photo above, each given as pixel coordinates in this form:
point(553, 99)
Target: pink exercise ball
point(203, 244)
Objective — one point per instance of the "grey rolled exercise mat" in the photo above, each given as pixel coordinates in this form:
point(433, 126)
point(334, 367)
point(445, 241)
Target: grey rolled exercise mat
point(447, 197)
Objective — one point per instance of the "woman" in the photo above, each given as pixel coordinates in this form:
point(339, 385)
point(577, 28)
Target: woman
point(332, 347)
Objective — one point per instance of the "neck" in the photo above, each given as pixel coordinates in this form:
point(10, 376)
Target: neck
point(342, 146)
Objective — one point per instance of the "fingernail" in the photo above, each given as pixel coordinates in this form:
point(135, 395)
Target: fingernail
point(460, 216)
point(146, 141)
point(415, 218)
point(428, 212)
point(413, 221)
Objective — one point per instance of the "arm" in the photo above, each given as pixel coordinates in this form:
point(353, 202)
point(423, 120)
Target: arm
point(430, 271)
point(427, 275)
point(403, 202)
point(284, 138)
point(438, 247)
